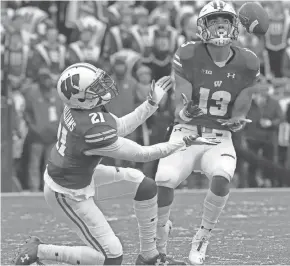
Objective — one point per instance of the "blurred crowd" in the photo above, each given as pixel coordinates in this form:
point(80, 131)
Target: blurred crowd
point(134, 41)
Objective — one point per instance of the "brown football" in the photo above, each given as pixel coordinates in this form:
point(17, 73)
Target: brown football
point(254, 18)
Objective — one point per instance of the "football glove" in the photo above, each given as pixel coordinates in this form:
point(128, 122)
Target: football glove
point(234, 124)
point(196, 139)
point(190, 140)
point(190, 110)
point(158, 89)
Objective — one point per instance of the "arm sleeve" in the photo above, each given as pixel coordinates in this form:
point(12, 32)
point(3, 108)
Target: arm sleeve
point(253, 73)
point(100, 136)
point(177, 65)
point(128, 123)
point(129, 150)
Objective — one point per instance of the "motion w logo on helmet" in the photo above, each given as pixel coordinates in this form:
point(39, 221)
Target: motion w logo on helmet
point(70, 86)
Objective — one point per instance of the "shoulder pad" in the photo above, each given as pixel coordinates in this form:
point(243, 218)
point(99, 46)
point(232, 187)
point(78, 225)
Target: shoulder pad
point(103, 131)
point(187, 49)
point(251, 59)
point(87, 119)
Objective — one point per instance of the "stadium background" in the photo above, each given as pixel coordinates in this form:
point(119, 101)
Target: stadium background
point(135, 42)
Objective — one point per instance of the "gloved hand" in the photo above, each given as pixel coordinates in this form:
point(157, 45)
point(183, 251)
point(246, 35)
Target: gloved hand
point(190, 110)
point(190, 140)
point(196, 139)
point(235, 123)
point(158, 89)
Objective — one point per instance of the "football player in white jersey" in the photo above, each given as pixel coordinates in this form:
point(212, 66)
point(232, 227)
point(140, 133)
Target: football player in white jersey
point(74, 185)
point(219, 78)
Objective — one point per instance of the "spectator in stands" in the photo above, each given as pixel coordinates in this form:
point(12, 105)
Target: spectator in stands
point(42, 113)
point(19, 132)
point(164, 45)
point(121, 36)
point(277, 35)
point(167, 7)
point(119, 8)
point(262, 134)
point(50, 53)
point(16, 50)
point(286, 63)
point(87, 49)
point(141, 33)
point(188, 29)
point(32, 17)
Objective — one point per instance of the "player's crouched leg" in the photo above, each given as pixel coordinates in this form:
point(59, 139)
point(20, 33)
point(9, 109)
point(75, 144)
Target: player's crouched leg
point(145, 206)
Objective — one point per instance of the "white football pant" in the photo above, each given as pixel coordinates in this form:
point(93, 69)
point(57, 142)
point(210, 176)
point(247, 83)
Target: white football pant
point(212, 160)
point(85, 218)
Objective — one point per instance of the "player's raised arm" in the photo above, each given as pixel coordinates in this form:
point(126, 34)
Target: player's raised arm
point(128, 123)
point(129, 150)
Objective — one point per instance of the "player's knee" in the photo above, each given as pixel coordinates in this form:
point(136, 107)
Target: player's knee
point(146, 190)
point(220, 185)
point(114, 261)
point(167, 177)
point(114, 248)
point(165, 196)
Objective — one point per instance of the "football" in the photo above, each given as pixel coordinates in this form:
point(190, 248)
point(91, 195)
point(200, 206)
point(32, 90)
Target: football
point(254, 18)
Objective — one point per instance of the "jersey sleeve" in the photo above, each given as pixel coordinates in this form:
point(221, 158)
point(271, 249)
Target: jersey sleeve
point(177, 65)
point(183, 60)
point(253, 68)
point(100, 136)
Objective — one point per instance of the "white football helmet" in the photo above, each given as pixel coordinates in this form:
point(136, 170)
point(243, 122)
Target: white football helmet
point(83, 86)
point(219, 37)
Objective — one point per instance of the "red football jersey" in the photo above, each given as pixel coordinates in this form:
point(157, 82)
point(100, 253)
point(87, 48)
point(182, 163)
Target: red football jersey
point(79, 131)
point(215, 88)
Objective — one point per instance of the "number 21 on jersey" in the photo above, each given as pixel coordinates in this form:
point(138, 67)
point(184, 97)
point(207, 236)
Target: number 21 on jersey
point(61, 139)
point(222, 99)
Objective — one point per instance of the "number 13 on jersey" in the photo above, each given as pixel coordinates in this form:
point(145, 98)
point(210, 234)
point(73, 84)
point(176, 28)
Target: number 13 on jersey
point(222, 99)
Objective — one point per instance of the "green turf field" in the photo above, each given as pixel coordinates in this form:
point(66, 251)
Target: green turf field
point(254, 228)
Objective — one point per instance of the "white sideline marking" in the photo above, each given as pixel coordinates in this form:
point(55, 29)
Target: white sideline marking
point(178, 191)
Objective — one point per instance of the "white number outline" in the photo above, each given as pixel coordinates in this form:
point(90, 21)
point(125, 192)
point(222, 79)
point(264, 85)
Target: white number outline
point(250, 51)
point(222, 99)
point(61, 139)
point(97, 117)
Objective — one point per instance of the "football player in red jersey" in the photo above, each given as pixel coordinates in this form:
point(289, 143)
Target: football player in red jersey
point(219, 79)
point(74, 185)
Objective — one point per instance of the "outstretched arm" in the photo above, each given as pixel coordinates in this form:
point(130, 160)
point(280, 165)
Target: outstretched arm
point(128, 123)
point(129, 150)
point(125, 149)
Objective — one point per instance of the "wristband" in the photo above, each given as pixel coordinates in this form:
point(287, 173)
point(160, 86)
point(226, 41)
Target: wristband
point(152, 102)
point(183, 116)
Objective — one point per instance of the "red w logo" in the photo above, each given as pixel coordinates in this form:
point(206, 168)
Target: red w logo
point(70, 86)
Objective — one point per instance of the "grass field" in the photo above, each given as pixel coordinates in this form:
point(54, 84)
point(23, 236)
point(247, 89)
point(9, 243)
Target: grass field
point(254, 228)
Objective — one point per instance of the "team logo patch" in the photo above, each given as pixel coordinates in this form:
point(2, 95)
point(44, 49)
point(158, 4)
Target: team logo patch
point(70, 86)
point(231, 75)
point(218, 83)
point(207, 72)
